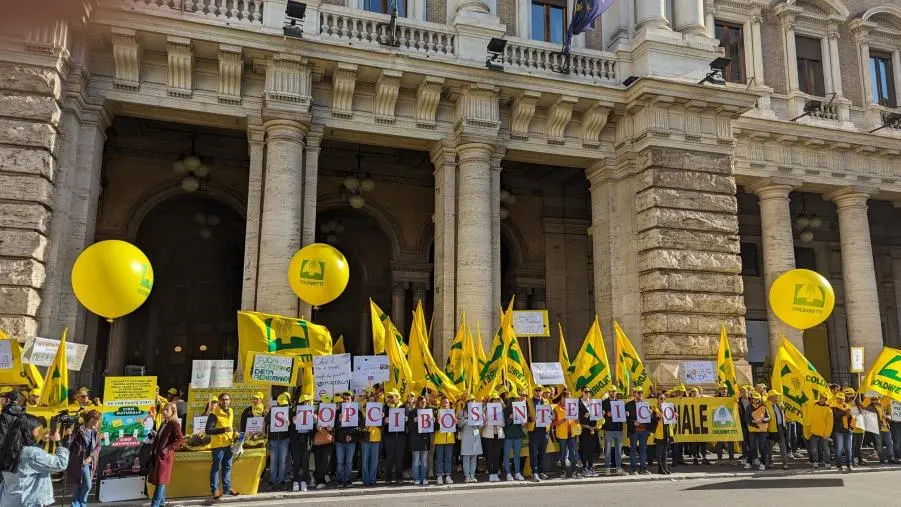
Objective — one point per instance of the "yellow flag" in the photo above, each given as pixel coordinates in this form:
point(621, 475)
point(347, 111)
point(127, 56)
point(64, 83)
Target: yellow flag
point(56, 386)
point(377, 318)
point(426, 372)
point(471, 360)
point(338, 347)
point(480, 348)
point(814, 383)
point(563, 358)
point(20, 373)
point(788, 378)
point(307, 383)
point(725, 366)
point(493, 370)
point(456, 360)
point(400, 377)
point(590, 368)
point(633, 371)
point(516, 369)
point(885, 375)
point(261, 332)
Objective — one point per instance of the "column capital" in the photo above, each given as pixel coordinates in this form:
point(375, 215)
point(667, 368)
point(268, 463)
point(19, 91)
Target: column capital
point(475, 152)
point(598, 172)
point(497, 157)
point(771, 188)
point(850, 197)
point(256, 132)
point(285, 129)
point(442, 152)
point(314, 137)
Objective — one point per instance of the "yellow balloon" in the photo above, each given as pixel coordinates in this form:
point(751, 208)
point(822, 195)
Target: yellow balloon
point(318, 274)
point(112, 278)
point(802, 298)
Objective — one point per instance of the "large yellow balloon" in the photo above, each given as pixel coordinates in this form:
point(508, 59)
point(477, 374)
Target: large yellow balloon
point(802, 298)
point(112, 278)
point(318, 274)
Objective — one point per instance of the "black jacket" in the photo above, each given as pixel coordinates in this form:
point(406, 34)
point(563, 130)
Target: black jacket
point(281, 435)
point(609, 425)
point(395, 434)
point(418, 441)
point(632, 417)
point(342, 432)
point(585, 418)
point(11, 413)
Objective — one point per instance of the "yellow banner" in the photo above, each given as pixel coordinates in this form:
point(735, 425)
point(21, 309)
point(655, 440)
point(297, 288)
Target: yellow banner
point(707, 420)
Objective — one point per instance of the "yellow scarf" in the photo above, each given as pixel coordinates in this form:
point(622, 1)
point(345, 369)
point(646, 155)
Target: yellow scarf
point(257, 410)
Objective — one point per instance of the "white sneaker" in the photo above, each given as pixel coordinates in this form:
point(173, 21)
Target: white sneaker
point(747, 466)
point(326, 479)
point(321, 485)
point(448, 480)
point(494, 478)
point(417, 482)
point(303, 486)
point(295, 487)
point(761, 468)
point(440, 480)
point(509, 477)
point(566, 462)
point(519, 477)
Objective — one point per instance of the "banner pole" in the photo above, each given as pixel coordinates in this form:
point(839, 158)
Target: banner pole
point(529, 346)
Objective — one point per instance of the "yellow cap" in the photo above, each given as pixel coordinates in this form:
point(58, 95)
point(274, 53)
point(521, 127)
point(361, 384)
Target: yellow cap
point(849, 391)
point(638, 389)
point(305, 398)
point(493, 394)
point(83, 391)
point(173, 391)
point(284, 399)
point(772, 392)
point(393, 392)
point(5, 389)
point(756, 396)
point(257, 396)
point(325, 399)
point(840, 396)
point(695, 390)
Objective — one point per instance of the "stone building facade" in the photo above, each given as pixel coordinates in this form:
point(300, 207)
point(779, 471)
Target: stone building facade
point(202, 133)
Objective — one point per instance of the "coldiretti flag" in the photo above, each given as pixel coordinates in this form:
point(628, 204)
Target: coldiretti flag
point(591, 369)
point(814, 383)
point(482, 359)
point(400, 377)
point(725, 367)
point(456, 360)
point(788, 379)
point(378, 318)
point(471, 362)
point(631, 363)
point(56, 385)
point(563, 358)
point(516, 370)
point(426, 372)
point(491, 373)
point(885, 375)
point(262, 332)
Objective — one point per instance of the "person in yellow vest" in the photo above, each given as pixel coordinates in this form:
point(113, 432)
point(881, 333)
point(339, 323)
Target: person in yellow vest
point(841, 431)
point(758, 427)
point(82, 401)
point(34, 397)
point(777, 427)
point(444, 447)
point(564, 430)
point(220, 427)
point(874, 404)
point(818, 424)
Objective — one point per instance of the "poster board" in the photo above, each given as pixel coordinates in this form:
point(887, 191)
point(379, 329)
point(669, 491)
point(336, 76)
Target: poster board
point(698, 372)
point(42, 351)
point(274, 369)
point(548, 374)
point(125, 425)
point(531, 323)
point(331, 374)
point(241, 394)
point(856, 360)
point(212, 373)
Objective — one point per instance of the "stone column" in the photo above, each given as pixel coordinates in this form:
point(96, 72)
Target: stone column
point(858, 271)
point(255, 147)
point(651, 14)
point(521, 302)
point(778, 249)
point(791, 54)
point(310, 196)
point(281, 225)
point(475, 293)
point(689, 17)
point(495, 200)
point(475, 6)
point(399, 305)
point(710, 20)
point(896, 64)
point(834, 62)
point(863, 54)
point(757, 48)
point(896, 279)
point(419, 291)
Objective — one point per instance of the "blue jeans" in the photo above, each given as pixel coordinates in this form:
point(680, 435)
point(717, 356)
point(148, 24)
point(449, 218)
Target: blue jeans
point(512, 446)
point(222, 458)
point(537, 445)
point(370, 462)
point(278, 461)
point(614, 447)
point(843, 445)
point(760, 446)
point(568, 450)
point(420, 466)
point(159, 496)
point(344, 452)
point(80, 497)
point(444, 459)
point(639, 446)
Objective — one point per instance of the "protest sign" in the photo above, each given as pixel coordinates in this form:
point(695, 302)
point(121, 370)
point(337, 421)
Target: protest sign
point(571, 405)
point(698, 372)
point(124, 427)
point(425, 420)
point(42, 351)
point(397, 419)
point(530, 323)
point(447, 420)
point(303, 419)
point(331, 374)
point(375, 414)
point(595, 413)
point(896, 411)
point(255, 425)
point(548, 374)
point(199, 422)
point(279, 419)
point(241, 394)
point(706, 420)
point(670, 416)
point(270, 369)
point(618, 411)
point(350, 414)
point(212, 373)
point(494, 414)
point(368, 370)
point(475, 414)
point(543, 416)
point(867, 420)
point(642, 412)
point(520, 413)
point(6, 355)
point(327, 415)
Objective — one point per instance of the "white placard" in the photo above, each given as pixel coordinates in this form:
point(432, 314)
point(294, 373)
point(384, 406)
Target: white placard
point(331, 374)
point(571, 405)
point(425, 420)
point(303, 419)
point(494, 414)
point(326, 415)
point(543, 416)
point(212, 373)
point(374, 368)
point(475, 414)
point(125, 488)
point(595, 410)
point(856, 360)
point(618, 411)
point(548, 374)
point(896, 411)
point(530, 323)
point(6, 355)
point(698, 372)
point(375, 414)
point(670, 415)
point(42, 351)
point(199, 423)
point(279, 419)
point(520, 412)
point(255, 425)
point(867, 420)
point(397, 419)
point(643, 412)
point(447, 420)
point(350, 414)
point(272, 369)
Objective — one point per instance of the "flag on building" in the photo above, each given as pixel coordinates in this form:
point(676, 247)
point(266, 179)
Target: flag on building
point(563, 358)
point(633, 371)
point(585, 13)
point(56, 386)
point(262, 332)
point(377, 318)
point(725, 366)
point(590, 368)
point(885, 375)
point(426, 373)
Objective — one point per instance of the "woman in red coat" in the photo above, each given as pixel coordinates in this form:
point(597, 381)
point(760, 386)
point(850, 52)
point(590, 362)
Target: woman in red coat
point(162, 457)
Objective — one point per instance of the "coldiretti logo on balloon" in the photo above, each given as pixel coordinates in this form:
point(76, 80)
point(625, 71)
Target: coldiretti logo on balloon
point(146, 283)
point(312, 272)
point(809, 298)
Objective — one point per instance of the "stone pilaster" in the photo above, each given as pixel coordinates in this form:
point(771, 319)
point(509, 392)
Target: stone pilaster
point(650, 14)
point(858, 271)
point(689, 17)
point(256, 146)
point(444, 310)
point(778, 249)
point(310, 194)
point(399, 305)
point(495, 200)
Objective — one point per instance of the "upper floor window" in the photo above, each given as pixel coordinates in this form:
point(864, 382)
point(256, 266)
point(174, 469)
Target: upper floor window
point(882, 79)
point(732, 40)
point(386, 6)
point(549, 20)
point(810, 65)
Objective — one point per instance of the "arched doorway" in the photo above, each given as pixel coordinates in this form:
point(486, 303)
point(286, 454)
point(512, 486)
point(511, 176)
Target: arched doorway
point(196, 246)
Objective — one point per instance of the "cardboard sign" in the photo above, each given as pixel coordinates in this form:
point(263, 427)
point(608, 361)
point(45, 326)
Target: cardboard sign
point(494, 414)
point(543, 416)
point(350, 414)
point(199, 423)
point(368, 370)
point(425, 420)
point(548, 374)
point(643, 412)
point(331, 374)
point(595, 410)
point(447, 420)
point(520, 412)
point(531, 323)
point(327, 415)
point(475, 414)
point(279, 419)
point(618, 411)
point(670, 416)
point(867, 420)
point(6, 355)
point(255, 425)
point(212, 374)
point(856, 360)
point(270, 369)
point(375, 414)
point(42, 351)
point(571, 405)
point(896, 411)
point(698, 372)
point(397, 419)
point(303, 419)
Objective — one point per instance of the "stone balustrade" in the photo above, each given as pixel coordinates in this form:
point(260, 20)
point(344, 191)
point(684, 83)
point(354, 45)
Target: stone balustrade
point(535, 57)
point(232, 11)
